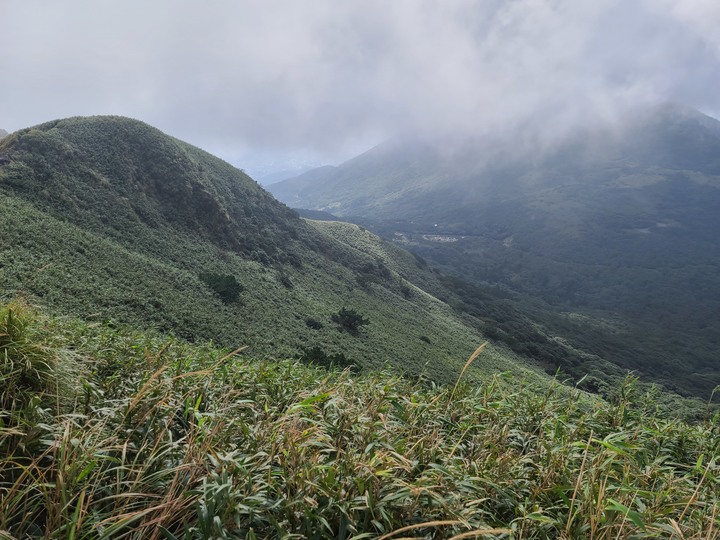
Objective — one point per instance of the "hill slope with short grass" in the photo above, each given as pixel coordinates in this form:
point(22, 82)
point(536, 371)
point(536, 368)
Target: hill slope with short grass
point(607, 238)
point(109, 219)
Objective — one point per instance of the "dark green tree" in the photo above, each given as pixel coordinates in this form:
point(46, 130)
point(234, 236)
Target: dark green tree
point(350, 321)
point(224, 285)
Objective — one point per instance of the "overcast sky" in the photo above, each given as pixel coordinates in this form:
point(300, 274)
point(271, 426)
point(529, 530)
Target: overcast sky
point(266, 84)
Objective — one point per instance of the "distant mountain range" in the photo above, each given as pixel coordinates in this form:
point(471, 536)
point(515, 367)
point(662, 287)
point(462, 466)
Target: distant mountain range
point(614, 225)
point(432, 179)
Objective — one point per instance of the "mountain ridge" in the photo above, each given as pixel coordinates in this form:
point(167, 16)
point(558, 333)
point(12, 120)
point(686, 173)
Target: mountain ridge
point(107, 217)
point(409, 168)
point(616, 222)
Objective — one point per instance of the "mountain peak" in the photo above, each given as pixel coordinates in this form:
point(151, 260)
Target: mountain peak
point(143, 176)
point(107, 215)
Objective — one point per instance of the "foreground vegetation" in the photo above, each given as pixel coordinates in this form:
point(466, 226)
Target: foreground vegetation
point(108, 433)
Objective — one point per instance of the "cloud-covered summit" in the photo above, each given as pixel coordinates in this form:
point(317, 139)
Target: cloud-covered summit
point(329, 77)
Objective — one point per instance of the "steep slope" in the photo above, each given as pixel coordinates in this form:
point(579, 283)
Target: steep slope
point(614, 226)
point(108, 218)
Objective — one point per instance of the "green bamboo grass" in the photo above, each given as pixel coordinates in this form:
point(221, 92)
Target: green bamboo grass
point(167, 440)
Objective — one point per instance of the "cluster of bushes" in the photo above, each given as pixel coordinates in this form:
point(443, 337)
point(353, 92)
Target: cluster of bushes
point(226, 286)
point(372, 272)
point(317, 356)
point(349, 321)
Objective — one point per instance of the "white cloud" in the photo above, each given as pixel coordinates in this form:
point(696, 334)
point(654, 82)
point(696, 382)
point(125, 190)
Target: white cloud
point(233, 76)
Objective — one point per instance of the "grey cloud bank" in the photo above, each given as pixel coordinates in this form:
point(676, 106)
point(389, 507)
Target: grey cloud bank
point(320, 80)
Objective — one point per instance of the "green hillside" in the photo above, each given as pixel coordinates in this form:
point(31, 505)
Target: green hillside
point(206, 364)
point(109, 219)
point(606, 239)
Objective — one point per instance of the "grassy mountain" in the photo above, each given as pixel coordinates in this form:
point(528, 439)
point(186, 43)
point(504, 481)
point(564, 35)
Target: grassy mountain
point(109, 219)
point(606, 239)
point(111, 427)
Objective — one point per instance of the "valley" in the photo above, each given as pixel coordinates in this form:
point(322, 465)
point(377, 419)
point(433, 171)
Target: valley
point(611, 224)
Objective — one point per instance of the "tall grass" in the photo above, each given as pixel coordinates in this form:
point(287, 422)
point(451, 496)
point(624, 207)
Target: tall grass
point(167, 440)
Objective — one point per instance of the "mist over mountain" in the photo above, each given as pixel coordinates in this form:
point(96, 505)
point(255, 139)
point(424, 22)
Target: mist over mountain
point(616, 221)
point(3, 133)
point(399, 175)
point(279, 176)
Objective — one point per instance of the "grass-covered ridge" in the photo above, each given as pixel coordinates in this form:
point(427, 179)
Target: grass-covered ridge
point(120, 434)
point(110, 219)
